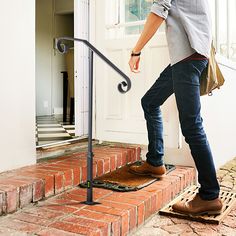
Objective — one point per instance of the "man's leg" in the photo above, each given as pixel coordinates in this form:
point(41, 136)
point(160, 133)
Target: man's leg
point(186, 87)
point(151, 102)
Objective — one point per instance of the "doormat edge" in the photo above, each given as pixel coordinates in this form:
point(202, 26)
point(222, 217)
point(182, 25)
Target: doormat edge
point(120, 188)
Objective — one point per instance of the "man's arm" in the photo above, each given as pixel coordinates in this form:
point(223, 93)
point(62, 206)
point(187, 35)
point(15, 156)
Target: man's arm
point(159, 12)
point(151, 26)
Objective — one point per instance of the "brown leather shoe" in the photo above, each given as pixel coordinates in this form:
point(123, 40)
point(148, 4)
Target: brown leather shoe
point(147, 169)
point(197, 206)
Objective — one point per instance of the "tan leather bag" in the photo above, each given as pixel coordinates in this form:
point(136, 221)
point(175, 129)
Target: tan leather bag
point(211, 77)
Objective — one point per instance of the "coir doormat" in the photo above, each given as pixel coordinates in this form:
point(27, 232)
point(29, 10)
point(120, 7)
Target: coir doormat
point(228, 199)
point(123, 181)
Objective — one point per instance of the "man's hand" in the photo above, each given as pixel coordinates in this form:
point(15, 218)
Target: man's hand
point(134, 64)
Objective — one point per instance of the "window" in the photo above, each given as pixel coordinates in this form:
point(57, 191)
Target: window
point(232, 30)
point(135, 11)
point(129, 17)
point(224, 31)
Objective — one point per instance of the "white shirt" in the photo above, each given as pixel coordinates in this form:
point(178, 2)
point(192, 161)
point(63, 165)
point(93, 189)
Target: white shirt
point(188, 27)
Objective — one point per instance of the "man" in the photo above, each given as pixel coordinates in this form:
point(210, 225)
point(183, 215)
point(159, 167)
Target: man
point(188, 30)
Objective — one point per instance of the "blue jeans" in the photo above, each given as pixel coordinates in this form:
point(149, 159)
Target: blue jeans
point(182, 79)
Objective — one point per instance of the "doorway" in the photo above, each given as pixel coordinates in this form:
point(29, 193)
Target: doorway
point(55, 119)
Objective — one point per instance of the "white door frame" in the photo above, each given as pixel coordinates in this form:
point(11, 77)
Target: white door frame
point(81, 30)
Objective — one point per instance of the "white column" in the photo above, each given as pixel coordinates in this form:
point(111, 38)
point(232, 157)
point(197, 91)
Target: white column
point(81, 24)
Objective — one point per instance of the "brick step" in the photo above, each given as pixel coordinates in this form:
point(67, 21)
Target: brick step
point(19, 188)
point(118, 214)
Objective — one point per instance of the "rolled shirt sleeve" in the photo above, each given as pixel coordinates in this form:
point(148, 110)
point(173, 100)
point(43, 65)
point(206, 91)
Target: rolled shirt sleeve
point(161, 8)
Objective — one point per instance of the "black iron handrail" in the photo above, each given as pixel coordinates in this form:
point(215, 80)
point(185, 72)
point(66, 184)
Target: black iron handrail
point(63, 48)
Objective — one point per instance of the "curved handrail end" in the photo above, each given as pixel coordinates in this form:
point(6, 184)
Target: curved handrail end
point(121, 86)
point(61, 46)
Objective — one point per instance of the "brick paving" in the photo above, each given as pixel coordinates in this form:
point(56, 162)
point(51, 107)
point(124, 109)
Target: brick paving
point(162, 225)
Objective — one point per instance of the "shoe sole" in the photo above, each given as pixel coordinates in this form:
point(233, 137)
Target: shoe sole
point(201, 213)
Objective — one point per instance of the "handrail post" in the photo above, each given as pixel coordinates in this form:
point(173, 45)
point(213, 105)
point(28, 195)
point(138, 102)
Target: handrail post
point(90, 136)
point(90, 132)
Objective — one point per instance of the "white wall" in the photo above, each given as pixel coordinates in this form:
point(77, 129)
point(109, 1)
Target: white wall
point(17, 90)
point(219, 120)
point(219, 113)
point(44, 50)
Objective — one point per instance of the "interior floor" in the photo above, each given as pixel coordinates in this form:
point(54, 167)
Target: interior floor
point(50, 129)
